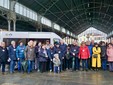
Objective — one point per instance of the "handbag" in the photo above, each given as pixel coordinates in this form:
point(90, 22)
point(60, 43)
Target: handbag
point(24, 65)
point(95, 55)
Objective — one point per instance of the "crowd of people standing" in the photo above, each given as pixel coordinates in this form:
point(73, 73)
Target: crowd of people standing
point(43, 57)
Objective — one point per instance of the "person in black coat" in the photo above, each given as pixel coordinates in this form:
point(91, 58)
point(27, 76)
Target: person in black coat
point(3, 56)
point(103, 56)
point(12, 56)
point(43, 57)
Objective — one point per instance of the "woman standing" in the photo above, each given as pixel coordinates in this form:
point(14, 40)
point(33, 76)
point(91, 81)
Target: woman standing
point(30, 55)
point(110, 56)
point(3, 56)
point(20, 55)
point(84, 54)
point(96, 59)
point(43, 56)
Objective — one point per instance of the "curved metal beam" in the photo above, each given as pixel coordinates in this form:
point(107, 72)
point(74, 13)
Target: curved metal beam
point(88, 12)
point(94, 19)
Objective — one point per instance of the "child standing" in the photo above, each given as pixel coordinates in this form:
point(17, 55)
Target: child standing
point(57, 63)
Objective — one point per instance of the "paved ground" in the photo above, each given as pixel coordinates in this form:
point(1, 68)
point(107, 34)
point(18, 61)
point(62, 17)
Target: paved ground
point(65, 78)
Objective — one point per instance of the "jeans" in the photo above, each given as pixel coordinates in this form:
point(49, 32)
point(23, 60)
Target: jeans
point(104, 64)
point(75, 63)
point(51, 65)
point(3, 66)
point(56, 69)
point(84, 64)
point(30, 65)
point(12, 65)
point(110, 66)
point(19, 64)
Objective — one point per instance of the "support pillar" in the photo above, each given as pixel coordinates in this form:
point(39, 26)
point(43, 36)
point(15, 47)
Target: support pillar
point(14, 25)
point(9, 25)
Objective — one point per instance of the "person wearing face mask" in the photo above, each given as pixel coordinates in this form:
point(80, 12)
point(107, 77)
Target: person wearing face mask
point(30, 55)
point(12, 56)
point(20, 55)
point(96, 57)
point(3, 56)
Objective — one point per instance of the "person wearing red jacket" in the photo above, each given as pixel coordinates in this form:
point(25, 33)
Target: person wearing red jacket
point(84, 54)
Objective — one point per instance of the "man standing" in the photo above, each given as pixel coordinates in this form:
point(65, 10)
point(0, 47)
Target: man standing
point(74, 50)
point(12, 56)
point(63, 48)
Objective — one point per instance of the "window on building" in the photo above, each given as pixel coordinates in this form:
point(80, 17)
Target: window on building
point(57, 27)
point(46, 21)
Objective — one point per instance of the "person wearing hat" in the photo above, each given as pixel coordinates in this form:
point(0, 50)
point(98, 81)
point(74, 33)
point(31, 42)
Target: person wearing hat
point(20, 54)
point(58, 51)
point(96, 57)
point(57, 63)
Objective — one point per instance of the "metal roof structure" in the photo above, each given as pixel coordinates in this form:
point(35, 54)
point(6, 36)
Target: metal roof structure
point(75, 15)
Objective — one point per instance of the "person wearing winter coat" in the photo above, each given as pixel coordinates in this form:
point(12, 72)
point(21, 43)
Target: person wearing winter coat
point(51, 52)
point(12, 56)
point(58, 51)
point(30, 55)
point(84, 54)
point(90, 47)
point(110, 56)
point(43, 56)
point(63, 48)
point(96, 57)
point(74, 51)
point(68, 58)
point(57, 63)
point(37, 50)
point(103, 56)
point(3, 56)
point(20, 55)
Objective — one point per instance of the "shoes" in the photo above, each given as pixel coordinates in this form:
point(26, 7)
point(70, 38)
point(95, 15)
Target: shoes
point(50, 70)
point(3, 73)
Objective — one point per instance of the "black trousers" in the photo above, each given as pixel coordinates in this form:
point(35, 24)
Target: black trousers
point(43, 67)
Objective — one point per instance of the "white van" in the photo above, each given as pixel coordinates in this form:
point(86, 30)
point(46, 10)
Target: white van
point(26, 36)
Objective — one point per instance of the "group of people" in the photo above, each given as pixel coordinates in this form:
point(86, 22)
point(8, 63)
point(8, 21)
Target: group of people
point(57, 58)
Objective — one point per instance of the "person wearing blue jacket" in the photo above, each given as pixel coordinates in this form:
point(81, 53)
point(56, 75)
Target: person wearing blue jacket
point(74, 51)
point(51, 52)
point(12, 56)
point(63, 48)
point(90, 47)
point(20, 55)
point(58, 51)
